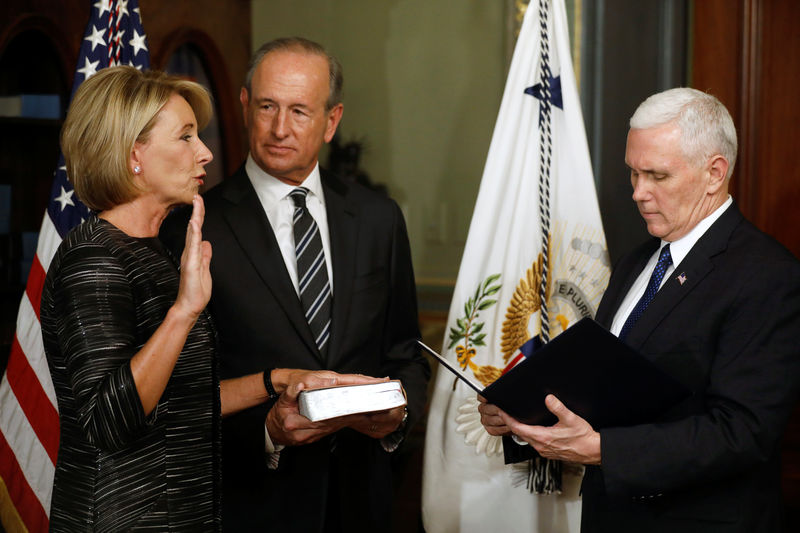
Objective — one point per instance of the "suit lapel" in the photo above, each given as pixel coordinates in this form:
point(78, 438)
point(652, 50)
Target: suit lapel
point(686, 276)
point(343, 231)
point(250, 227)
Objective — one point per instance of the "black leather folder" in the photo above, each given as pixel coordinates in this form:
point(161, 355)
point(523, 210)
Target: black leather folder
point(592, 372)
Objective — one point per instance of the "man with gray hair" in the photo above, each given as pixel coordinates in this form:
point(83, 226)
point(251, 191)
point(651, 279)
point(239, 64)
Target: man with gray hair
point(313, 287)
point(712, 301)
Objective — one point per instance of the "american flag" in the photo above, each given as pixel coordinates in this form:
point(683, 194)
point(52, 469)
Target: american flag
point(28, 409)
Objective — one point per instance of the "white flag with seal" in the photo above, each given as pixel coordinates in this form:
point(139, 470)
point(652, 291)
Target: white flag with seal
point(535, 262)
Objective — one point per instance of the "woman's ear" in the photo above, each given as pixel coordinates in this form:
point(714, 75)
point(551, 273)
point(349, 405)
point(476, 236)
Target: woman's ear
point(135, 162)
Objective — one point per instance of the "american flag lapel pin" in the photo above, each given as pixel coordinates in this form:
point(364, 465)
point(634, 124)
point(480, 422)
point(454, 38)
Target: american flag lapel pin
point(682, 278)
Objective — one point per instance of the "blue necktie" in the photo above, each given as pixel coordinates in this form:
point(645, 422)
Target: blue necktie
point(664, 261)
point(312, 272)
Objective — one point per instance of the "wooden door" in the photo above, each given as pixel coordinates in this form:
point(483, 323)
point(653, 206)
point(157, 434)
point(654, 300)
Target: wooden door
point(747, 53)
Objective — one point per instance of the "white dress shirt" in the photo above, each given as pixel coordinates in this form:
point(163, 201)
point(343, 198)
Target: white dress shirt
point(279, 208)
point(678, 250)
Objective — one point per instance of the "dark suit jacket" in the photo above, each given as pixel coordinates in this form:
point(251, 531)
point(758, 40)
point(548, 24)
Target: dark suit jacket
point(261, 325)
point(730, 332)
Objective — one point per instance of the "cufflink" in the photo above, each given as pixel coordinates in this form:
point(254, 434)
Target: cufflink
point(518, 440)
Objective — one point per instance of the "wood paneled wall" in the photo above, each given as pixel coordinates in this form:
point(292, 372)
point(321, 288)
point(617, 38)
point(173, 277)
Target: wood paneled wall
point(747, 53)
point(220, 30)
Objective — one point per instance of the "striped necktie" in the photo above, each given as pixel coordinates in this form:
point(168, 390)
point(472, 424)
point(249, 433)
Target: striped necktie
point(312, 272)
point(664, 261)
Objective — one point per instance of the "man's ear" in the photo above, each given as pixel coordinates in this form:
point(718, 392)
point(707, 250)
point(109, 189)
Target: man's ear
point(244, 99)
point(718, 170)
point(333, 118)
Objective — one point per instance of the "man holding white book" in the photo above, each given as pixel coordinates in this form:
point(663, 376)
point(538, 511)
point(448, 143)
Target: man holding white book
point(313, 285)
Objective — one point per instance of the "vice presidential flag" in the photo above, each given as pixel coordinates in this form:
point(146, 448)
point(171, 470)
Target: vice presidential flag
point(535, 262)
point(28, 409)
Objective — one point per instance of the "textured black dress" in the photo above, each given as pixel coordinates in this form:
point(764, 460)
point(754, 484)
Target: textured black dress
point(117, 469)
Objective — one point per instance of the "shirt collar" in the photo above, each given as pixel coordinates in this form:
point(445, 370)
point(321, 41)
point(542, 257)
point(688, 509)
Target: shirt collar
point(681, 248)
point(271, 190)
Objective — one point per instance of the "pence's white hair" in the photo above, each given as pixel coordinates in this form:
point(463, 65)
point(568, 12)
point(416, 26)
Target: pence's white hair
point(706, 126)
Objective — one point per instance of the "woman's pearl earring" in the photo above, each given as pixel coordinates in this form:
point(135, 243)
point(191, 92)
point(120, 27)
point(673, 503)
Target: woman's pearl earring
point(137, 169)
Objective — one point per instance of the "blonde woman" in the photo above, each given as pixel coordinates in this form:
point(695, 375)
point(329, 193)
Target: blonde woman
point(130, 346)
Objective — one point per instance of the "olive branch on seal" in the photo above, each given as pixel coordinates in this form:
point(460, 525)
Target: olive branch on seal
point(467, 327)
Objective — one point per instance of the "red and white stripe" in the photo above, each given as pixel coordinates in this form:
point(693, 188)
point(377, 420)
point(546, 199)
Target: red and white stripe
point(29, 418)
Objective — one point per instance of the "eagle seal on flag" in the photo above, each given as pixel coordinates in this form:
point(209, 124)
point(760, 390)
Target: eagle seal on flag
point(579, 285)
point(534, 263)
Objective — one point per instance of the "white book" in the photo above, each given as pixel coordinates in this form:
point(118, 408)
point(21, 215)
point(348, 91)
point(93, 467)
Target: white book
point(330, 402)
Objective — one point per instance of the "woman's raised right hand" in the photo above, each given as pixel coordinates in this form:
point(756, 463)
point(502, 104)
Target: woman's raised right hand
point(195, 283)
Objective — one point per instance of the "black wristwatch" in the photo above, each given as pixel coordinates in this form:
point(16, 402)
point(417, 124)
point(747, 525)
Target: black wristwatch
point(272, 395)
point(392, 441)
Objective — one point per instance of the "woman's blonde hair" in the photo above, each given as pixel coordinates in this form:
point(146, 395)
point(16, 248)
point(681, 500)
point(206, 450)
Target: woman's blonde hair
point(111, 111)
